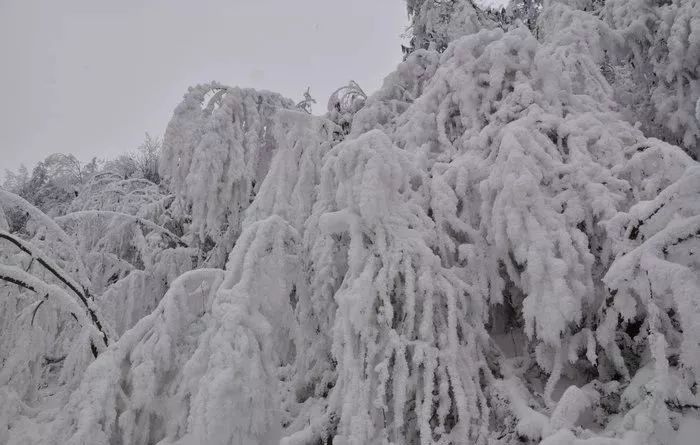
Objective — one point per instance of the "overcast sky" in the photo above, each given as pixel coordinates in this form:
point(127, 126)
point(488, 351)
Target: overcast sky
point(90, 77)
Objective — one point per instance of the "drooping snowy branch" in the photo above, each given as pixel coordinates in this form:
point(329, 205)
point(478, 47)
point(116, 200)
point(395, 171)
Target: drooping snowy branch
point(63, 300)
point(48, 224)
point(483, 251)
point(216, 155)
point(63, 277)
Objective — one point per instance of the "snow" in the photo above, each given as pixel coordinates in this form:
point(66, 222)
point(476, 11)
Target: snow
point(496, 4)
point(688, 431)
point(485, 250)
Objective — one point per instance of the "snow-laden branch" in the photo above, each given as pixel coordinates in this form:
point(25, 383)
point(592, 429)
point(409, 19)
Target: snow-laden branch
point(140, 221)
point(62, 276)
point(11, 199)
point(152, 356)
point(52, 267)
point(216, 166)
point(21, 278)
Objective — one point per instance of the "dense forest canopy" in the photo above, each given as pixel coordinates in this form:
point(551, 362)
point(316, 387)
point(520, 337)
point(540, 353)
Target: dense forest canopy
point(499, 246)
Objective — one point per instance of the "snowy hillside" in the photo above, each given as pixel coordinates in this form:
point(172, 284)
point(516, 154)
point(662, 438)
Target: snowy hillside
point(499, 246)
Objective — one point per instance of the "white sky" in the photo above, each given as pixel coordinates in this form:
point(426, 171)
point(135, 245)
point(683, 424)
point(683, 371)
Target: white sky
point(90, 77)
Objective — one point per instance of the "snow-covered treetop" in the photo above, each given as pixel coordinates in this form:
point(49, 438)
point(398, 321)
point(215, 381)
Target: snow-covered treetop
point(437, 23)
point(216, 152)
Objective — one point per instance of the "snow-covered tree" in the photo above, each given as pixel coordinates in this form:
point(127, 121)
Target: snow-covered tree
point(344, 103)
point(660, 81)
point(143, 163)
point(147, 158)
point(484, 251)
point(438, 22)
point(72, 284)
point(307, 102)
point(216, 152)
point(54, 182)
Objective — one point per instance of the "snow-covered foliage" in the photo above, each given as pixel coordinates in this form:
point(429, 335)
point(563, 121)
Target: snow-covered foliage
point(121, 231)
point(437, 23)
point(344, 103)
point(307, 102)
point(53, 183)
point(661, 85)
point(51, 327)
point(484, 251)
point(73, 283)
point(216, 152)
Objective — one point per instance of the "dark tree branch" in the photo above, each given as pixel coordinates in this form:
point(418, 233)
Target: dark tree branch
point(32, 288)
point(83, 295)
point(634, 231)
point(11, 199)
point(26, 248)
point(37, 308)
point(680, 240)
point(51, 360)
point(17, 282)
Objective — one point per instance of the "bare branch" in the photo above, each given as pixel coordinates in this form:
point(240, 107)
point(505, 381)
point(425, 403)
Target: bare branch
point(36, 308)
